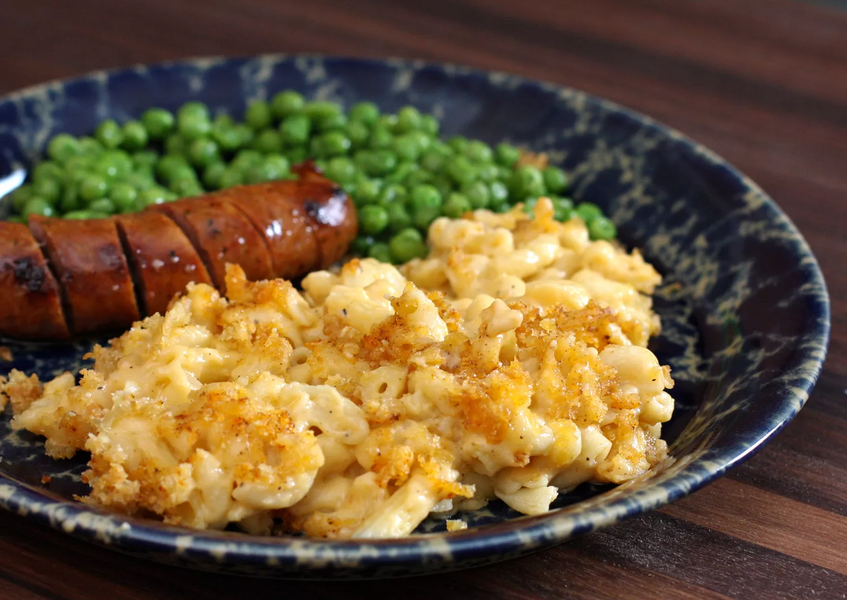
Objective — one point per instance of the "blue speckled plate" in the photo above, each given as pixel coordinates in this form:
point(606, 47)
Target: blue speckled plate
point(744, 305)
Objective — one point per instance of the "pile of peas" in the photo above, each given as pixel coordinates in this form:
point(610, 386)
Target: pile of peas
point(400, 175)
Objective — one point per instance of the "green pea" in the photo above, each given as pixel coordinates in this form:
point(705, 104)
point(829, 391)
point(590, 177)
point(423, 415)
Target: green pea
point(528, 181)
point(135, 136)
point(155, 195)
point(20, 197)
point(295, 130)
point(267, 170)
point(334, 143)
point(79, 215)
point(228, 137)
point(319, 110)
point(124, 197)
point(407, 245)
point(140, 180)
point(398, 217)
point(246, 159)
point(186, 187)
point(499, 192)
point(387, 121)
point(102, 205)
point(563, 209)
point(364, 112)
point(458, 143)
point(361, 245)
point(158, 122)
point(268, 141)
point(358, 133)
point(402, 172)
point(145, 158)
point(286, 103)
point(461, 171)
point(62, 147)
point(76, 165)
point(408, 119)
point(47, 169)
point(213, 174)
point(380, 251)
point(529, 205)
point(500, 207)
point(192, 121)
point(112, 164)
point(48, 190)
point(555, 180)
point(203, 151)
point(168, 166)
point(478, 194)
point(296, 155)
point(88, 146)
point(375, 162)
point(588, 211)
point(341, 169)
point(488, 172)
point(109, 133)
point(417, 177)
point(429, 125)
point(93, 187)
point(258, 115)
point(231, 177)
point(443, 184)
point(456, 206)
point(381, 138)
point(194, 109)
point(433, 161)
point(406, 147)
point(71, 199)
point(602, 228)
point(507, 155)
point(367, 192)
point(222, 120)
point(425, 196)
point(278, 163)
point(332, 122)
point(175, 144)
point(478, 152)
point(373, 219)
point(392, 194)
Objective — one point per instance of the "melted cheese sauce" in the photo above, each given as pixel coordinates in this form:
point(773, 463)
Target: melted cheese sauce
point(510, 363)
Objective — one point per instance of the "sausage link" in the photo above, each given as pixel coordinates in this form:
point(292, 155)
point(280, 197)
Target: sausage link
point(222, 235)
point(161, 257)
point(278, 229)
point(92, 269)
point(30, 299)
point(274, 210)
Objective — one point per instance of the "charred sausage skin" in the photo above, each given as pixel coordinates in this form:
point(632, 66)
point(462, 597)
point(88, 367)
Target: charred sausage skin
point(110, 272)
point(30, 298)
point(162, 259)
point(92, 270)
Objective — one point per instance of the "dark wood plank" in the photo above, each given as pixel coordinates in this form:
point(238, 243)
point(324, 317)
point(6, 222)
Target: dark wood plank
point(761, 82)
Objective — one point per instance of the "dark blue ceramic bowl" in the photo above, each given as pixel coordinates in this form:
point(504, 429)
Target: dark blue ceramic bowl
point(744, 305)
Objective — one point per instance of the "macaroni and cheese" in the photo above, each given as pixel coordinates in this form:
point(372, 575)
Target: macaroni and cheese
point(510, 363)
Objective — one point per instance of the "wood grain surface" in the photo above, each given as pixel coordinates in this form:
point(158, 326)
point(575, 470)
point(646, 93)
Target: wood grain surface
point(762, 82)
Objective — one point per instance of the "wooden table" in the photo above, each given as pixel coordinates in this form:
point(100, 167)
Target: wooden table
point(762, 82)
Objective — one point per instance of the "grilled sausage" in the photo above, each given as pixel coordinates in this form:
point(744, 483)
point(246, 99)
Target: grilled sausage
point(222, 234)
point(161, 257)
point(92, 270)
point(30, 299)
point(109, 272)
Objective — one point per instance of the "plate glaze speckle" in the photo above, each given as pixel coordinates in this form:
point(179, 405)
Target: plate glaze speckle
point(744, 306)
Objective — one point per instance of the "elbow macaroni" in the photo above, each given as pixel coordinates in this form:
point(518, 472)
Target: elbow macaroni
point(510, 363)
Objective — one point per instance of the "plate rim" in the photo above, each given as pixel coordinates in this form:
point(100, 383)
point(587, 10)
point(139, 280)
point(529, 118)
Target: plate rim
point(520, 534)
